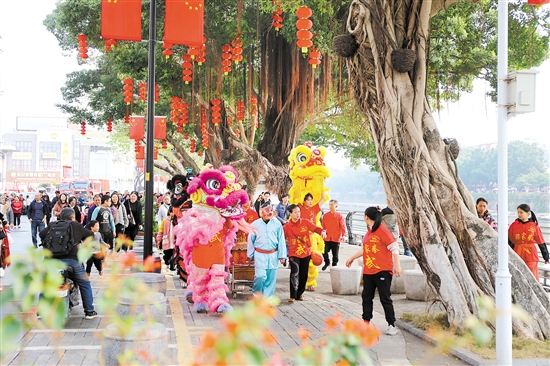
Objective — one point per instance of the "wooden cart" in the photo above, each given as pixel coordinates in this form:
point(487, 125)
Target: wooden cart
point(241, 271)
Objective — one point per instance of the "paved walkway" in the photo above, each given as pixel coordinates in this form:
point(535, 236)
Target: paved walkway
point(79, 343)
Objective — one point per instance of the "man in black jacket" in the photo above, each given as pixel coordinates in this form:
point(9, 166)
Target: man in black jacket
point(80, 233)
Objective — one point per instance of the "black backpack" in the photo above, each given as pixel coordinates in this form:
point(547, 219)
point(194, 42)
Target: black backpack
point(59, 239)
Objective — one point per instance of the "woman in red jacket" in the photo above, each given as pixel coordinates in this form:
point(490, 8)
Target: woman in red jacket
point(17, 208)
point(380, 254)
point(297, 232)
point(523, 234)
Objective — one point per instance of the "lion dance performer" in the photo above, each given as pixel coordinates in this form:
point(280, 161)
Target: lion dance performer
point(308, 173)
point(206, 232)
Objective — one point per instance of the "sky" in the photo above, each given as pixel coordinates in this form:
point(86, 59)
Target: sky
point(33, 69)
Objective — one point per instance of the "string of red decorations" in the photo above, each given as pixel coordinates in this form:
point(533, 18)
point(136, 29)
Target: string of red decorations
point(187, 70)
point(192, 146)
point(110, 125)
point(110, 44)
point(204, 128)
point(82, 46)
point(303, 24)
point(237, 49)
point(240, 111)
point(201, 57)
point(216, 111)
point(226, 59)
point(538, 2)
point(277, 19)
point(164, 145)
point(157, 93)
point(128, 90)
point(254, 110)
point(82, 128)
point(143, 91)
point(167, 49)
point(174, 109)
point(127, 119)
point(184, 112)
point(314, 57)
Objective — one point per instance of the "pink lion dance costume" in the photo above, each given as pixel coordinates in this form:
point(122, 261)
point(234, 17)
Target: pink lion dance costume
point(206, 233)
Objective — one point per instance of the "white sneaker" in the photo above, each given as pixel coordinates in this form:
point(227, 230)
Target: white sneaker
point(1, 272)
point(391, 330)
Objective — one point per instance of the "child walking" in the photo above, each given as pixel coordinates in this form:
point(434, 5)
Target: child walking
point(97, 258)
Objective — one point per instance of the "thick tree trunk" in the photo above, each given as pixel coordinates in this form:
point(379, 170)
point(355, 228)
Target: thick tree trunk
point(456, 251)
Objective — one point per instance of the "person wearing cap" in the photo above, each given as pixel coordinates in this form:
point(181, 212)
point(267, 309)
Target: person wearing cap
point(267, 247)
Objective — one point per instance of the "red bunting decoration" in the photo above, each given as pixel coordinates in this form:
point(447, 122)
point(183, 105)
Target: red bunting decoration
point(128, 90)
point(184, 22)
point(121, 20)
point(538, 2)
point(303, 24)
point(187, 70)
point(160, 128)
point(82, 128)
point(226, 56)
point(82, 46)
point(137, 127)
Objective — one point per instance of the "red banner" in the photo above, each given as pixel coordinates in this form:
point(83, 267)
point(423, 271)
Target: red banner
point(184, 22)
point(140, 154)
point(121, 19)
point(160, 128)
point(137, 127)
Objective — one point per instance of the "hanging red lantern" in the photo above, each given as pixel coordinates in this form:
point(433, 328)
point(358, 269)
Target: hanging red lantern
point(110, 125)
point(204, 128)
point(164, 145)
point(226, 56)
point(277, 19)
point(216, 111)
point(128, 90)
point(187, 70)
point(155, 152)
point(184, 112)
point(82, 46)
point(303, 24)
point(200, 153)
point(167, 49)
point(174, 109)
point(192, 146)
point(137, 145)
point(314, 57)
point(201, 57)
point(193, 52)
point(240, 111)
point(157, 93)
point(253, 105)
point(237, 132)
point(127, 119)
point(110, 44)
point(82, 128)
point(186, 136)
point(230, 121)
point(538, 2)
point(143, 91)
point(237, 49)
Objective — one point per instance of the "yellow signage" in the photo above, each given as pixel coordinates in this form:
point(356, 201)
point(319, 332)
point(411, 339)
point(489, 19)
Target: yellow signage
point(49, 155)
point(21, 156)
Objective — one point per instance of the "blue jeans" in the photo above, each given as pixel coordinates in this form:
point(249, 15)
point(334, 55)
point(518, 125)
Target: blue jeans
point(36, 228)
point(81, 280)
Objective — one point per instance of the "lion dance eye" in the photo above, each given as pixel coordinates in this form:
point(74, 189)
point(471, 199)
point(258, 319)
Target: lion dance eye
point(213, 184)
point(301, 158)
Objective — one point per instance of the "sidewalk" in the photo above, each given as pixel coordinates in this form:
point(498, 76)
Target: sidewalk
point(79, 343)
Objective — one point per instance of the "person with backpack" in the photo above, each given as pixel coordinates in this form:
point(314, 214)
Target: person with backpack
point(62, 238)
point(106, 221)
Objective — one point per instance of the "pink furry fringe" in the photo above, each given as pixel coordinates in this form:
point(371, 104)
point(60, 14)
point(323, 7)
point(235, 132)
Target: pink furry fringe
point(217, 289)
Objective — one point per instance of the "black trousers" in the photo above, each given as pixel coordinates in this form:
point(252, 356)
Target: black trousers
point(168, 254)
point(119, 229)
point(334, 247)
point(108, 238)
point(298, 276)
point(382, 282)
point(16, 219)
point(132, 231)
point(94, 261)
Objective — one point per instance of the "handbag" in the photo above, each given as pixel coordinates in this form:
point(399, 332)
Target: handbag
point(131, 220)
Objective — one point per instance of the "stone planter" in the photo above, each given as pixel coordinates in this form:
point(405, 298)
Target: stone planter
point(416, 287)
point(149, 307)
point(147, 341)
point(345, 281)
point(398, 283)
point(156, 281)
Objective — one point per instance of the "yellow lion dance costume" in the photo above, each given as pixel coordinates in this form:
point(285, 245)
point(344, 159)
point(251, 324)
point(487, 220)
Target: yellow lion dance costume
point(308, 173)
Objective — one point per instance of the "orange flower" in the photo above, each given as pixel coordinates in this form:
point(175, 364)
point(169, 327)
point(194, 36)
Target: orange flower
point(127, 260)
point(333, 322)
point(303, 334)
point(268, 338)
point(149, 264)
point(371, 335)
point(143, 354)
point(230, 325)
point(208, 340)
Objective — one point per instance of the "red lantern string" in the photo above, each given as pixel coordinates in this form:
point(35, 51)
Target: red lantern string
point(277, 18)
point(184, 112)
point(230, 121)
point(226, 56)
point(254, 109)
point(110, 44)
point(143, 91)
point(201, 153)
point(127, 119)
point(303, 24)
point(201, 57)
point(186, 136)
point(240, 111)
point(237, 49)
point(110, 125)
point(216, 111)
point(538, 2)
point(174, 109)
point(193, 52)
point(157, 93)
point(204, 128)
point(128, 90)
point(82, 128)
point(164, 145)
point(237, 132)
point(137, 145)
point(187, 70)
point(314, 57)
point(193, 146)
point(82, 46)
point(167, 50)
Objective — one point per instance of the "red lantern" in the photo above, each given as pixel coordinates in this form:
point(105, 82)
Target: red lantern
point(140, 153)
point(216, 111)
point(538, 2)
point(277, 18)
point(254, 109)
point(128, 90)
point(82, 46)
point(137, 146)
point(143, 91)
point(155, 152)
point(164, 145)
point(110, 125)
point(204, 128)
point(226, 56)
point(187, 71)
point(240, 111)
point(192, 146)
point(82, 128)
point(314, 57)
point(167, 49)
point(127, 119)
point(201, 57)
point(157, 93)
point(184, 111)
point(230, 121)
point(193, 52)
point(237, 49)
point(200, 153)
point(186, 136)
point(110, 44)
point(303, 24)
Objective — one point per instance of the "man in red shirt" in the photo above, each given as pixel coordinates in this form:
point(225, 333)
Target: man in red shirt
point(333, 223)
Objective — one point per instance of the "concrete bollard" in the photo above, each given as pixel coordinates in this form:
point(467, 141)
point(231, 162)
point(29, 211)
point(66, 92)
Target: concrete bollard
point(345, 281)
point(147, 341)
point(398, 283)
point(156, 281)
point(149, 307)
point(416, 287)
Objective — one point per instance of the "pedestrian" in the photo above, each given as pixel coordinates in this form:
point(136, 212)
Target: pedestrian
point(133, 208)
point(309, 211)
point(297, 234)
point(48, 207)
point(334, 225)
point(37, 217)
point(79, 233)
point(99, 252)
point(523, 234)
point(61, 203)
point(166, 240)
point(6, 210)
point(483, 212)
point(267, 248)
point(96, 203)
point(73, 203)
point(281, 209)
point(163, 209)
point(56, 198)
point(266, 198)
point(380, 254)
point(106, 221)
point(17, 208)
point(389, 221)
point(121, 217)
point(5, 259)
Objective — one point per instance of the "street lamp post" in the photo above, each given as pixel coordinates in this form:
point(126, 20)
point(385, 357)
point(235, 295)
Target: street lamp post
point(4, 151)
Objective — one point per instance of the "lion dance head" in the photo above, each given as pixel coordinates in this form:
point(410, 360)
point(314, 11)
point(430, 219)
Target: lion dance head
point(308, 173)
